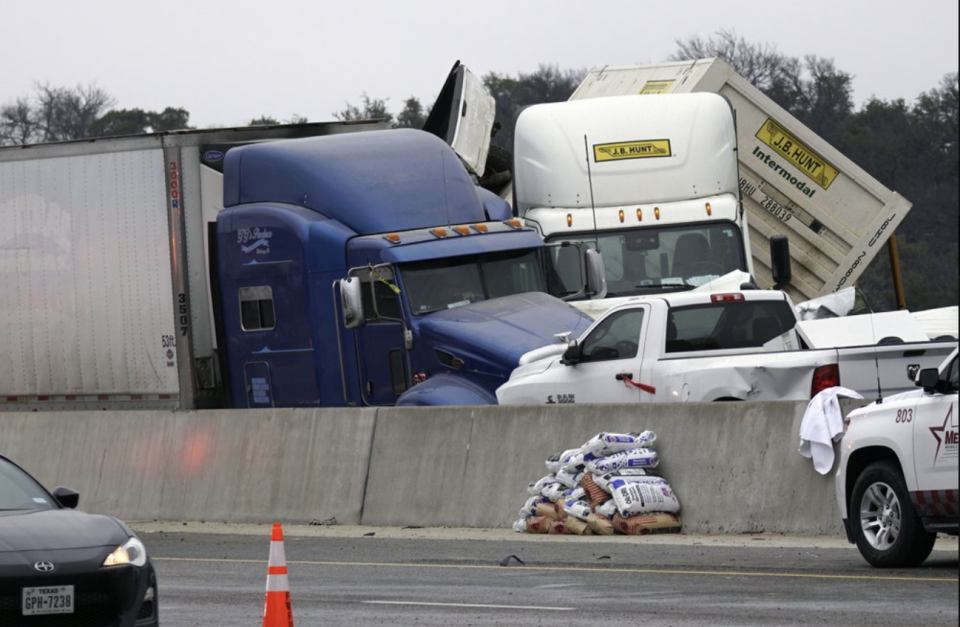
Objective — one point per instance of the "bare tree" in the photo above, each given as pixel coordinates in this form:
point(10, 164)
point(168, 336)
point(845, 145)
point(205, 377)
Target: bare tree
point(761, 64)
point(65, 114)
point(18, 124)
point(813, 90)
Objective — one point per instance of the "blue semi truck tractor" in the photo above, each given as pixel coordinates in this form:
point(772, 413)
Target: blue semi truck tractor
point(369, 269)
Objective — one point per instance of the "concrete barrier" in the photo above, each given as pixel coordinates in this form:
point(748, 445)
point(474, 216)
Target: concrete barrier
point(232, 466)
point(734, 466)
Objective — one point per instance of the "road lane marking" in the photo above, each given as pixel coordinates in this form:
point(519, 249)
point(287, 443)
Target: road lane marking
point(560, 569)
point(473, 606)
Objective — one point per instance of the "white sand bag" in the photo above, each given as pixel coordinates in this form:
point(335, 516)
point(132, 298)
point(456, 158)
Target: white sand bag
point(608, 509)
point(643, 498)
point(553, 463)
point(632, 475)
point(577, 509)
point(567, 479)
point(554, 492)
point(634, 458)
point(529, 509)
point(605, 444)
point(537, 487)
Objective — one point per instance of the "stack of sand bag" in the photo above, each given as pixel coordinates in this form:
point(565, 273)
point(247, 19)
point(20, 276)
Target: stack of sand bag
point(609, 485)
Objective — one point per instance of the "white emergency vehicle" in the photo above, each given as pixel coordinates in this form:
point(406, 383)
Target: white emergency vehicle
point(897, 481)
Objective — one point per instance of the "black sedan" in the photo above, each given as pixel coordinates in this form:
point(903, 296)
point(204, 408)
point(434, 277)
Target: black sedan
point(62, 567)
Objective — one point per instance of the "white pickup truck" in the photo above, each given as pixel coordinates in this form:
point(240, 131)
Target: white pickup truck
point(897, 481)
point(703, 346)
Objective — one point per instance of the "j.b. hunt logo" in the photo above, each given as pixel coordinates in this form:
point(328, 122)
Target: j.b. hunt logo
point(631, 150)
point(656, 87)
point(255, 239)
point(798, 154)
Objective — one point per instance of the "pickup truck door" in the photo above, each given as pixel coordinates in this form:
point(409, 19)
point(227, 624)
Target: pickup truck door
point(935, 444)
point(611, 352)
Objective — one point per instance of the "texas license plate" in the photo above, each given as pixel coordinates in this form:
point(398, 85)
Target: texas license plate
point(48, 600)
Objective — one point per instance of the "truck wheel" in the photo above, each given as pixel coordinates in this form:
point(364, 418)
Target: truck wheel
point(888, 531)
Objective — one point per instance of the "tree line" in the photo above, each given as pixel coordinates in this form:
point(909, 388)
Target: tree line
point(910, 147)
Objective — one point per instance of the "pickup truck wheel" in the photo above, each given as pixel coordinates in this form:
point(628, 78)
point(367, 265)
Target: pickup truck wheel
point(888, 531)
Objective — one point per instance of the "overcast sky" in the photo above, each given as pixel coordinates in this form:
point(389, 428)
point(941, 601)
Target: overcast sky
point(229, 61)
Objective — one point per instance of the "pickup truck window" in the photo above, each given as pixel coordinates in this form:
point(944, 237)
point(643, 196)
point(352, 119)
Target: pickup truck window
point(616, 337)
point(453, 282)
point(717, 326)
point(652, 259)
point(952, 377)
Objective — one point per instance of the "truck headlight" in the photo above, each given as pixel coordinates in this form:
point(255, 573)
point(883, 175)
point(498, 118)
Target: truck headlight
point(131, 552)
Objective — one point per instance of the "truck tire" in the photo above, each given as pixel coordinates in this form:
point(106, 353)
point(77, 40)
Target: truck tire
point(888, 531)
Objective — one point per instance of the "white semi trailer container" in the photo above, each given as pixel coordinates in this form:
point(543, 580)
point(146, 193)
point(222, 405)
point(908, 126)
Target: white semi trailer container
point(106, 301)
point(835, 215)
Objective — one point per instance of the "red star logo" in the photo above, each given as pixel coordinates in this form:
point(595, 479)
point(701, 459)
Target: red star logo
point(941, 429)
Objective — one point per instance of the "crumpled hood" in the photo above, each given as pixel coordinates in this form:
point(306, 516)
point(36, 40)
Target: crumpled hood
point(490, 336)
point(58, 529)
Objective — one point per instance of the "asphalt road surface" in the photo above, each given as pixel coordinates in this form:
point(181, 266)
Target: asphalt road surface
point(211, 575)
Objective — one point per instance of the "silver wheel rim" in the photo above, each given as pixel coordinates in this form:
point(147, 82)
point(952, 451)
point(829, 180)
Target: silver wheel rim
point(880, 516)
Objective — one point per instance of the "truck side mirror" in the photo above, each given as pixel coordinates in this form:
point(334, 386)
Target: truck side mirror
point(572, 355)
point(928, 379)
point(596, 274)
point(780, 261)
point(351, 302)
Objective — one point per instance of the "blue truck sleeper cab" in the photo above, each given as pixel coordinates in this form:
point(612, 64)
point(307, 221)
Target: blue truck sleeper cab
point(452, 299)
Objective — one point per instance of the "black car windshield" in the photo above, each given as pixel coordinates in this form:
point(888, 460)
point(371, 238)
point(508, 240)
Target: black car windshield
point(19, 492)
point(654, 259)
point(453, 282)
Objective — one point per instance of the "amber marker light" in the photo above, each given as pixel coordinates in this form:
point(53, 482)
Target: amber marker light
point(392, 237)
point(514, 223)
point(569, 219)
point(462, 230)
point(709, 210)
point(656, 212)
point(480, 228)
point(621, 216)
point(639, 215)
point(439, 232)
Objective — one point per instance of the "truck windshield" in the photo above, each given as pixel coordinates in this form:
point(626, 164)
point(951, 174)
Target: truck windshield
point(652, 259)
point(453, 282)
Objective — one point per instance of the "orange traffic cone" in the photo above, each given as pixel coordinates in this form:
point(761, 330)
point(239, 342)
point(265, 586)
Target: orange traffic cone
point(277, 611)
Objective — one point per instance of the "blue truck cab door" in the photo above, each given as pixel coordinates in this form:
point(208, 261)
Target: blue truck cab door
point(384, 364)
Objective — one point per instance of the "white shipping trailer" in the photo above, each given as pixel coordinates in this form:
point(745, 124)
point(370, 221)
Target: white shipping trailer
point(106, 302)
point(836, 216)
